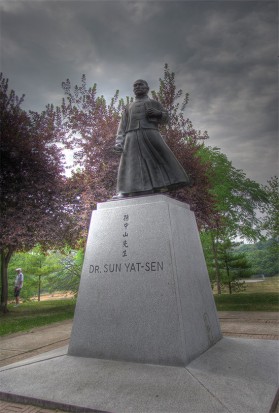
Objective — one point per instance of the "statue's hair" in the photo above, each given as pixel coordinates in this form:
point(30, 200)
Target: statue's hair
point(141, 80)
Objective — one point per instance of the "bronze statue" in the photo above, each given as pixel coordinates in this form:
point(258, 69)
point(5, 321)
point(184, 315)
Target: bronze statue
point(147, 164)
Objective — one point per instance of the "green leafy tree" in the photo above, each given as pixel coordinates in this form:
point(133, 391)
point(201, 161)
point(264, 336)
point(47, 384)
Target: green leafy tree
point(234, 266)
point(237, 200)
point(39, 267)
point(263, 257)
point(271, 225)
point(68, 277)
point(271, 209)
point(47, 272)
point(42, 265)
point(210, 258)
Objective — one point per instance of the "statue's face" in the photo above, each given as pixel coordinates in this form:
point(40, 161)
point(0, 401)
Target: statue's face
point(140, 88)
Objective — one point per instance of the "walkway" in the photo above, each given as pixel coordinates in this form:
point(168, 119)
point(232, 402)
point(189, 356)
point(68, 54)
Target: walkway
point(19, 346)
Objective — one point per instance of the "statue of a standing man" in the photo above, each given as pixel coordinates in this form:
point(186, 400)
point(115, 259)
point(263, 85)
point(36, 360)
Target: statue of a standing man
point(147, 164)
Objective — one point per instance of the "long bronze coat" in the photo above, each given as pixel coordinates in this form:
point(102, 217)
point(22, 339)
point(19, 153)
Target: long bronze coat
point(147, 164)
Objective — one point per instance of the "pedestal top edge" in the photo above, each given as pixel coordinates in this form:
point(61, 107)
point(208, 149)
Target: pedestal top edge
point(140, 200)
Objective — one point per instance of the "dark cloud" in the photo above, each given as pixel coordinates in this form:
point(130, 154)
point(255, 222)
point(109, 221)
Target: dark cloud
point(223, 53)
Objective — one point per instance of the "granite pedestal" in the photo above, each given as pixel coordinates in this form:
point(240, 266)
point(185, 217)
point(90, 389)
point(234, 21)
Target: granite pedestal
point(144, 328)
point(144, 294)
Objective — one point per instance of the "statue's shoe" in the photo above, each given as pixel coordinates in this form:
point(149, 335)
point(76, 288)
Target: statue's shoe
point(119, 196)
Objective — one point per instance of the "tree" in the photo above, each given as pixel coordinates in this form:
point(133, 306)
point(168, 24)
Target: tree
point(186, 143)
point(68, 277)
point(237, 201)
point(263, 256)
point(32, 197)
point(271, 219)
point(238, 198)
point(42, 264)
point(234, 266)
point(40, 267)
point(47, 272)
point(90, 124)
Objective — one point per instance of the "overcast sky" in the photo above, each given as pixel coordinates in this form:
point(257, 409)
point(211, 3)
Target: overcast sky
point(224, 53)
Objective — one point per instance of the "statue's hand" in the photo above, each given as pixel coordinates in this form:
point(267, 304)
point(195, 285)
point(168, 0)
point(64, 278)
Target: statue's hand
point(118, 148)
point(151, 112)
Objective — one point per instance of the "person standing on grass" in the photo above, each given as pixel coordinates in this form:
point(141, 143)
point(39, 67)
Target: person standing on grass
point(18, 285)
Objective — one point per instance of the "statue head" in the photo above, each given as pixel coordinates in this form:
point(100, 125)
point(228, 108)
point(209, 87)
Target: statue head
point(141, 87)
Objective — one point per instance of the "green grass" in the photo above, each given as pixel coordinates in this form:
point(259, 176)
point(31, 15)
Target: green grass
point(258, 296)
point(265, 301)
point(35, 314)
point(269, 285)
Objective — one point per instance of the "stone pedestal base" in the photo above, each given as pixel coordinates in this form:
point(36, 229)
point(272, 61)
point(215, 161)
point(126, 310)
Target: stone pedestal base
point(145, 294)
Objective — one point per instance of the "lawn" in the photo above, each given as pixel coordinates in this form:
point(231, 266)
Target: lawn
point(258, 296)
point(268, 285)
point(247, 302)
point(35, 314)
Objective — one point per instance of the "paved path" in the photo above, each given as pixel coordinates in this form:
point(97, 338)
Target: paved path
point(6, 407)
point(19, 346)
point(260, 325)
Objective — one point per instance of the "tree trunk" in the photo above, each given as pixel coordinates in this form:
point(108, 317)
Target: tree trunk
point(39, 289)
point(6, 255)
point(217, 270)
point(228, 274)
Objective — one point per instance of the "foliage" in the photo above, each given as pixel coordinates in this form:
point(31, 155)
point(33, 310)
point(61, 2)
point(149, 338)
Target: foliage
point(89, 125)
point(238, 198)
point(233, 265)
point(46, 272)
point(39, 268)
point(33, 201)
point(31, 176)
point(271, 219)
point(263, 256)
point(237, 201)
point(186, 143)
point(35, 314)
point(68, 278)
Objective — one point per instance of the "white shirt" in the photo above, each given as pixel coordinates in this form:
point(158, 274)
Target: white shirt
point(19, 280)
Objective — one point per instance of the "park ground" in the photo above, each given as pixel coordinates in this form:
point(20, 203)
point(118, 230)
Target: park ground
point(37, 327)
point(19, 346)
point(260, 296)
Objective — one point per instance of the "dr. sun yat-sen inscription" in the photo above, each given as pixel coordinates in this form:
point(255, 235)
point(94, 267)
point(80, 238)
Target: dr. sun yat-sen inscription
point(126, 227)
point(149, 266)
